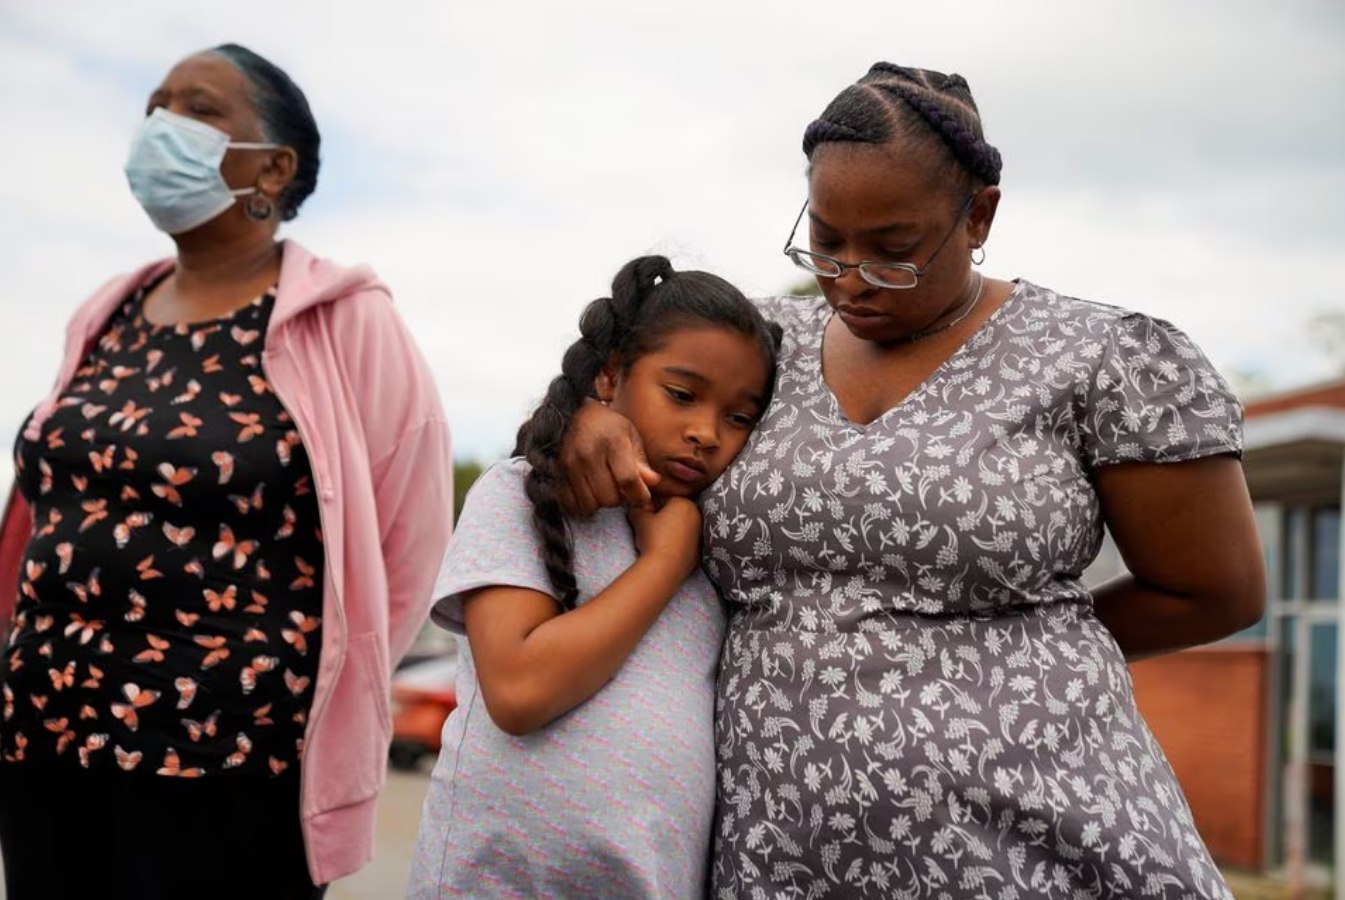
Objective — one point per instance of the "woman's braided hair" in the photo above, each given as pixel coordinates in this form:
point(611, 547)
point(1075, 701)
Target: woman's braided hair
point(892, 101)
point(650, 301)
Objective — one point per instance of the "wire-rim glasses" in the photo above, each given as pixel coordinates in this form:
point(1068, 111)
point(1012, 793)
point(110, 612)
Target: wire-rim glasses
point(895, 276)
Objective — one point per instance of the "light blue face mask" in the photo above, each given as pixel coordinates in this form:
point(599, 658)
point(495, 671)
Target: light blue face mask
point(174, 171)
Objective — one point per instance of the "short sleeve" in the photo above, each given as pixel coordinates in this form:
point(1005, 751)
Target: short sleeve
point(1155, 397)
point(494, 544)
point(793, 314)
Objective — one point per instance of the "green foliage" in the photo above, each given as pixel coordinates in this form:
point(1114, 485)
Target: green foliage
point(465, 474)
point(807, 288)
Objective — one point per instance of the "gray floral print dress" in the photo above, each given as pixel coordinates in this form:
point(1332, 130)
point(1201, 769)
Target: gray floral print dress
point(915, 699)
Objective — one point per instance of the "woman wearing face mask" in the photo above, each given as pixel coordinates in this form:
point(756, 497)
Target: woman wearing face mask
point(226, 522)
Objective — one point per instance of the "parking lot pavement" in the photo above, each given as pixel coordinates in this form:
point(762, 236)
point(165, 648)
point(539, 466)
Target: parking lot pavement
point(398, 818)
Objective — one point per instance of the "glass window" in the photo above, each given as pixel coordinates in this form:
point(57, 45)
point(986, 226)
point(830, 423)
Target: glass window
point(1285, 682)
point(1322, 742)
point(1325, 576)
point(1295, 545)
point(1322, 691)
point(1269, 527)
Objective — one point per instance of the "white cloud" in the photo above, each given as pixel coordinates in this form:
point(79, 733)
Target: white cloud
point(496, 163)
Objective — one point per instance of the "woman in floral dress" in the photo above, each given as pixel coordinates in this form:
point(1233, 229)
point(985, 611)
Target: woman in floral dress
point(918, 697)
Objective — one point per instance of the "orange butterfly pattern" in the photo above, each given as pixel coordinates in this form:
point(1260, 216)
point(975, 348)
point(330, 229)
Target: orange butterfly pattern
point(170, 597)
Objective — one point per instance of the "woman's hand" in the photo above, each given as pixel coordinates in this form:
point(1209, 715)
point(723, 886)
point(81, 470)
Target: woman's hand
point(672, 532)
point(604, 462)
point(1188, 535)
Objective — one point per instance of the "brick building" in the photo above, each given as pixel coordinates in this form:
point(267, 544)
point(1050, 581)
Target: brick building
point(1251, 724)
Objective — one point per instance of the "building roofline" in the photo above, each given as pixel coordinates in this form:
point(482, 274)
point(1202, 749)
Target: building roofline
point(1290, 426)
point(1321, 394)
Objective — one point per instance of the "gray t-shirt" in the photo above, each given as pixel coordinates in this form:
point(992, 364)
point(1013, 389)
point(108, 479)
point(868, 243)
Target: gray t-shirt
point(613, 799)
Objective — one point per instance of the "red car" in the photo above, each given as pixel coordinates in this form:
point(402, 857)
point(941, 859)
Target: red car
point(423, 694)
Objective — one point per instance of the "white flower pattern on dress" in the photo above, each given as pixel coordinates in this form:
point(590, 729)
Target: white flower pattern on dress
point(915, 699)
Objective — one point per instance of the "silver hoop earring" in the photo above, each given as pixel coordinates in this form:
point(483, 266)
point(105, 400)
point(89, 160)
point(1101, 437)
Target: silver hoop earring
point(258, 207)
point(974, 260)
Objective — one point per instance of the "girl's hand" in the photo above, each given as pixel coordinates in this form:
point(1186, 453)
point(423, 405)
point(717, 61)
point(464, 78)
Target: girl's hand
point(535, 663)
point(671, 533)
point(604, 462)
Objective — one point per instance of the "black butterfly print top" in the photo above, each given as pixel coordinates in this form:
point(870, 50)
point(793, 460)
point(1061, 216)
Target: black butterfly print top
point(170, 595)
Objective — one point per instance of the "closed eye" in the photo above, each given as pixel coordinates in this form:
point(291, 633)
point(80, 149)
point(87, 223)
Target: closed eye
point(680, 395)
point(832, 246)
point(743, 420)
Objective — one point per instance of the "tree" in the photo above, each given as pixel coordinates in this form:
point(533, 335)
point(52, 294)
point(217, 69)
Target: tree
point(465, 474)
point(809, 288)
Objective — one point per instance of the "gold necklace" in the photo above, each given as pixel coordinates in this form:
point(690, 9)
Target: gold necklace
point(924, 333)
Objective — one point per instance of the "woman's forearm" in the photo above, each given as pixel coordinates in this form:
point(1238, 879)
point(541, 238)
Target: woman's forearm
point(1187, 534)
point(1149, 621)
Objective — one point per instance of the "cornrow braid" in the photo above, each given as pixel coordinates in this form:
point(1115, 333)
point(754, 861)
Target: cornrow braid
point(820, 131)
point(978, 157)
point(870, 111)
point(539, 439)
point(649, 301)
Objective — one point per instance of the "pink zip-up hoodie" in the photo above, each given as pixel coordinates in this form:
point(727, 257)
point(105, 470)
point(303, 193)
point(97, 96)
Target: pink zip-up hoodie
point(345, 366)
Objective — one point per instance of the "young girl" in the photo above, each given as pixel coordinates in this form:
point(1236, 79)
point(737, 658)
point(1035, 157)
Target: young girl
point(580, 760)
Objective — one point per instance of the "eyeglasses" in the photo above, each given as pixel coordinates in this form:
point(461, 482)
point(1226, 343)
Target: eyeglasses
point(897, 276)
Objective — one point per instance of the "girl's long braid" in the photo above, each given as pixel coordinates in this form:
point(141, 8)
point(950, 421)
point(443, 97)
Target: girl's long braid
point(602, 327)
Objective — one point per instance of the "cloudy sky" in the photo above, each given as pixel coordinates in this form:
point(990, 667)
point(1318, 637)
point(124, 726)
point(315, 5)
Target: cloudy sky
point(498, 162)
